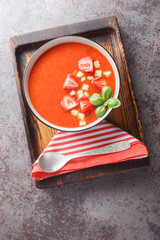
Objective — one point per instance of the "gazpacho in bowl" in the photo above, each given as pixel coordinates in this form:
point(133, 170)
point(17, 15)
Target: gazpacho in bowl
point(71, 83)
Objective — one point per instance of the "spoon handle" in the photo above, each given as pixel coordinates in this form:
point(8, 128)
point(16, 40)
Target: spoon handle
point(112, 148)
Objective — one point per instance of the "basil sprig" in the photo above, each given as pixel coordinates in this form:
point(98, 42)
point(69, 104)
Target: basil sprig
point(103, 101)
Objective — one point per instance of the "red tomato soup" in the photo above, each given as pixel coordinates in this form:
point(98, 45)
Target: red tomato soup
point(47, 79)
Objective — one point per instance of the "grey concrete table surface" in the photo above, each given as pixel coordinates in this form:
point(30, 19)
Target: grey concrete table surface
point(124, 206)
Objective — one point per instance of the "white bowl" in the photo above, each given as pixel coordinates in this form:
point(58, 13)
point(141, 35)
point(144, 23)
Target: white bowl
point(56, 42)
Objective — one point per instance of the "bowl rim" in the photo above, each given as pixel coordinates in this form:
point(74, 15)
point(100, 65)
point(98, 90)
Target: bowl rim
point(46, 47)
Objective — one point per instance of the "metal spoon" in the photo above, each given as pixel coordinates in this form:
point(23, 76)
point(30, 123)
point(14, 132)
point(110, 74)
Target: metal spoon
point(53, 161)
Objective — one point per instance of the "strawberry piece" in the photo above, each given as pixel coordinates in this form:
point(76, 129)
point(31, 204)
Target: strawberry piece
point(85, 105)
point(70, 83)
point(86, 65)
point(69, 102)
point(99, 83)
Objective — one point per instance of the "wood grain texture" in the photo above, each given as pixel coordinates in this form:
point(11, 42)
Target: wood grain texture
point(105, 32)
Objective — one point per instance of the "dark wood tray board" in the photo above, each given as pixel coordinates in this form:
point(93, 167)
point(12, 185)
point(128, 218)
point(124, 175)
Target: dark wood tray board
point(106, 32)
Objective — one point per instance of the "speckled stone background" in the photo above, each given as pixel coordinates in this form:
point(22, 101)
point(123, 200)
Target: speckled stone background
point(118, 207)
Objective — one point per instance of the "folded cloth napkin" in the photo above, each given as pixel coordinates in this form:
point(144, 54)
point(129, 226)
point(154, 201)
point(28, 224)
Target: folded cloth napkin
point(100, 135)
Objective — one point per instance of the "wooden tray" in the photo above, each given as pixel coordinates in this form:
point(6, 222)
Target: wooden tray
point(105, 32)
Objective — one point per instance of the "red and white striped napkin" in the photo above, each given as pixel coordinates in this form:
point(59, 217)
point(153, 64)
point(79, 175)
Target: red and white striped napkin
point(100, 135)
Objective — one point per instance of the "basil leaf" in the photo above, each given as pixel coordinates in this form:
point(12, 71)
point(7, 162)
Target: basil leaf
point(113, 103)
point(96, 100)
point(105, 103)
point(106, 92)
point(100, 111)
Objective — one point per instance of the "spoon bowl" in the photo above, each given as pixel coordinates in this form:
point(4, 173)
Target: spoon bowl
point(52, 161)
